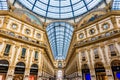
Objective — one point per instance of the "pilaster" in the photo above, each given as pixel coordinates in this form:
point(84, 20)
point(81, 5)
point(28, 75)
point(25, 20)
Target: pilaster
point(26, 74)
point(109, 72)
point(10, 73)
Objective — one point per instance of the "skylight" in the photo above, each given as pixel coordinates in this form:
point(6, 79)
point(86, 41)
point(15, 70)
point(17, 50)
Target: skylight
point(60, 9)
point(3, 5)
point(116, 5)
point(59, 34)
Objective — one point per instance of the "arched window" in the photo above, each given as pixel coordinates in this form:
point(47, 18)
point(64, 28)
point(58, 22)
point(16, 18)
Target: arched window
point(83, 56)
point(96, 53)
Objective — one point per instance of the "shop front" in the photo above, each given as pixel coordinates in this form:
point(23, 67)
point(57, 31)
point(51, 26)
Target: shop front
point(4, 65)
point(115, 65)
point(19, 71)
point(100, 72)
point(33, 72)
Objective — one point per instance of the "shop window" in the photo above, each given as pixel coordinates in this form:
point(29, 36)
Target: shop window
point(96, 53)
point(112, 50)
point(23, 52)
point(36, 55)
point(7, 49)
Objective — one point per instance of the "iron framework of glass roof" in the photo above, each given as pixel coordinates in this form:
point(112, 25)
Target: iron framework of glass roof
point(59, 34)
point(60, 9)
point(116, 5)
point(3, 5)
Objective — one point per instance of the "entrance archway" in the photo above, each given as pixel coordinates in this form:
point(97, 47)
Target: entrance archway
point(85, 72)
point(19, 71)
point(4, 65)
point(33, 72)
point(115, 65)
point(59, 75)
point(100, 71)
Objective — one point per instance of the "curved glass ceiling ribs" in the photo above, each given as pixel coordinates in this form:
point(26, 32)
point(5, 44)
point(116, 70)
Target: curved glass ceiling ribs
point(116, 5)
point(59, 34)
point(3, 5)
point(60, 9)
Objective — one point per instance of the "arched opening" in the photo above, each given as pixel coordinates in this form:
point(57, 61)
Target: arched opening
point(85, 72)
point(59, 75)
point(33, 72)
point(115, 65)
point(100, 72)
point(19, 71)
point(4, 65)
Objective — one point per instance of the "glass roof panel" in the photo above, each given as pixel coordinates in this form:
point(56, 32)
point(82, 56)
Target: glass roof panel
point(60, 9)
point(116, 5)
point(59, 38)
point(3, 5)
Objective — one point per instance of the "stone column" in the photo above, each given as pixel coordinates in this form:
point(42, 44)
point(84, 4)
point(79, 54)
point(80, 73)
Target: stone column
point(92, 73)
point(40, 75)
point(79, 66)
point(91, 62)
point(109, 72)
point(79, 75)
point(3, 48)
point(106, 53)
point(10, 73)
point(26, 74)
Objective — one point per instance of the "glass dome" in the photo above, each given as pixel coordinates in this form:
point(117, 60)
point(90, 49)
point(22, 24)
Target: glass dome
point(60, 9)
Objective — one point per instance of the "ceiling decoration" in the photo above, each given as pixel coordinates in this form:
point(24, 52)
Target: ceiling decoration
point(59, 34)
point(60, 9)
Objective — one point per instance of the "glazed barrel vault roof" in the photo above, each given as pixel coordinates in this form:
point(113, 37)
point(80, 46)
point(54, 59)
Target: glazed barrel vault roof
point(59, 34)
point(60, 9)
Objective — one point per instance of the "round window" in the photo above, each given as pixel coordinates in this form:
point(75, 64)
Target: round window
point(105, 26)
point(14, 26)
point(81, 35)
point(27, 31)
point(92, 31)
